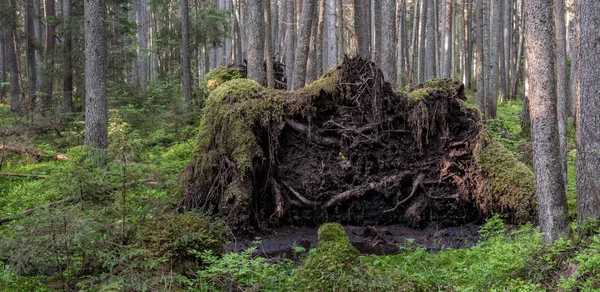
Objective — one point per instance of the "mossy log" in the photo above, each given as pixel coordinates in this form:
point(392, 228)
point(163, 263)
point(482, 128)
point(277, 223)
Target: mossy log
point(347, 148)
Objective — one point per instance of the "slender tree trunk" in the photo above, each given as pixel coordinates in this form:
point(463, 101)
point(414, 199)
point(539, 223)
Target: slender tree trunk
point(269, 45)
point(255, 41)
point(495, 41)
point(507, 46)
point(423, 34)
point(186, 74)
point(550, 186)
point(3, 61)
point(481, 102)
point(290, 42)
point(414, 44)
point(430, 43)
point(301, 54)
point(388, 36)
point(501, 57)
point(401, 42)
point(96, 122)
point(67, 104)
point(319, 38)
point(447, 41)
point(143, 18)
point(340, 30)
point(311, 66)
point(573, 76)
point(330, 33)
point(588, 116)
point(15, 102)
point(561, 81)
point(30, 51)
point(48, 77)
point(361, 28)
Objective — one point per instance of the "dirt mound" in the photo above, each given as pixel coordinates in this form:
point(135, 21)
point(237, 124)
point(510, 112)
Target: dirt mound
point(346, 148)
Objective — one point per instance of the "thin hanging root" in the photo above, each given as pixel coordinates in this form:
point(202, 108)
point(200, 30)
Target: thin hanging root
point(357, 192)
point(299, 196)
point(418, 182)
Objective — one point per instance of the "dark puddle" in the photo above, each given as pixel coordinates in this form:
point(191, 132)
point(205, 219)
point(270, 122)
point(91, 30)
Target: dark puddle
point(369, 240)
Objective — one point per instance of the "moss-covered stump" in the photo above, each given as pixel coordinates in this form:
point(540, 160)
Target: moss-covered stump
point(335, 266)
point(346, 148)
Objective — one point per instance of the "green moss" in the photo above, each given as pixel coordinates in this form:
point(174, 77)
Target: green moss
point(336, 266)
point(509, 186)
point(219, 76)
point(418, 95)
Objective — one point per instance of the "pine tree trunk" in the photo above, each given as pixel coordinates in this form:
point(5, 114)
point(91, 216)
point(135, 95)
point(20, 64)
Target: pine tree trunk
point(423, 32)
point(290, 42)
point(561, 81)
point(48, 77)
point(501, 57)
point(414, 45)
point(507, 45)
point(494, 29)
point(255, 41)
point(30, 51)
point(186, 74)
point(301, 54)
point(96, 122)
point(143, 54)
point(430, 42)
point(388, 40)
point(67, 104)
point(311, 66)
point(481, 102)
point(269, 45)
point(15, 102)
point(447, 41)
point(588, 116)
point(361, 28)
point(330, 34)
point(340, 30)
point(550, 186)
point(3, 62)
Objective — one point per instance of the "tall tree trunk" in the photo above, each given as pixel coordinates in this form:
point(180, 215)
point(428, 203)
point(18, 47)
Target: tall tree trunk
point(67, 104)
point(48, 77)
point(494, 29)
point(237, 42)
point(561, 81)
point(290, 36)
point(3, 61)
point(330, 34)
point(423, 33)
point(388, 40)
point(550, 186)
point(15, 102)
point(301, 55)
point(481, 102)
point(573, 76)
point(256, 42)
point(500, 30)
point(507, 45)
point(96, 122)
point(269, 45)
point(340, 30)
point(447, 41)
point(361, 28)
point(311, 66)
point(430, 42)
point(30, 51)
point(401, 42)
point(186, 74)
point(588, 116)
point(486, 54)
point(414, 45)
point(143, 18)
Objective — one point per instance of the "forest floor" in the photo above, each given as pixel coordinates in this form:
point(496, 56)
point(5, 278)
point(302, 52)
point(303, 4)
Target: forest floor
point(147, 158)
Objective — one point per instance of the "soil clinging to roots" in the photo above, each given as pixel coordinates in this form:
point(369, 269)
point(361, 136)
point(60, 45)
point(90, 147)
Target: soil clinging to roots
point(346, 148)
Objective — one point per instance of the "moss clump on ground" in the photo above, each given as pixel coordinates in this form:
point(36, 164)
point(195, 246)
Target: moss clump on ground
point(219, 76)
point(336, 266)
point(418, 95)
point(509, 185)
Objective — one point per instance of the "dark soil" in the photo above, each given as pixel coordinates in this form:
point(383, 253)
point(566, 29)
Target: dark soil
point(370, 240)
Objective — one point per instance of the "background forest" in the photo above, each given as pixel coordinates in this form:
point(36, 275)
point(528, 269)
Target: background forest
point(101, 103)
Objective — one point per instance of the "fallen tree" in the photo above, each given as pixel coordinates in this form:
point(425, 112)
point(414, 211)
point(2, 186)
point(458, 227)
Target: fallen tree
point(347, 148)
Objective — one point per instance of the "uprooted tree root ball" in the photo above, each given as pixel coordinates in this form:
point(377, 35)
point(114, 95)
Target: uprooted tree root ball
point(347, 148)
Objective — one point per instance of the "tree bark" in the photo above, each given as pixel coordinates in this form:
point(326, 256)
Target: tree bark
point(330, 34)
point(447, 41)
point(414, 45)
point(301, 54)
point(67, 102)
point(15, 102)
point(186, 74)
point(30, 51)
point(500, 27)
point(269, 45)
point(561, 81)
point(143, 54)
point(422, 29)
point(48, 76)
point(480, 59)
point(290, 39)
point(96, 122)
point(361, 28)
point(255, 41)
point(340, 30)
point(494, 29)
point(388, 41)
point(588, 116)
point(550, 186)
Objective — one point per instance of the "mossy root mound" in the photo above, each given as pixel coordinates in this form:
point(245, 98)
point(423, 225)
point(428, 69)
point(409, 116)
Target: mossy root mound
point(346, 148)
